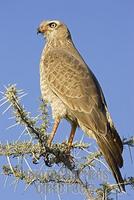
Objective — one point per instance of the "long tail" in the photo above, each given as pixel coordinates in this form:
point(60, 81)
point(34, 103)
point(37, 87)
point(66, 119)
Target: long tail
point(111, 147)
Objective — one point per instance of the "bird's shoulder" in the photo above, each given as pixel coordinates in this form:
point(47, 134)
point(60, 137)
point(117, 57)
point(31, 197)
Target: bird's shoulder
point(69, 64)
point(62, 56)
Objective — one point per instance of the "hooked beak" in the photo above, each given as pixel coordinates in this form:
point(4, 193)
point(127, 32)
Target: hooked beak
point(38, 31)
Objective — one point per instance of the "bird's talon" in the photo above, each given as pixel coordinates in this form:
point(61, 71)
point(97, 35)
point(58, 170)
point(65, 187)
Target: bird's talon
point(68, 150)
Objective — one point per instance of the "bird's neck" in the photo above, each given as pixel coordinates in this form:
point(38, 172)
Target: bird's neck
point(59, 43)
point(65, 45)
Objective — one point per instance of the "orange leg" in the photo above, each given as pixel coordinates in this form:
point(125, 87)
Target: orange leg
point(56, 124)
point(71, 137)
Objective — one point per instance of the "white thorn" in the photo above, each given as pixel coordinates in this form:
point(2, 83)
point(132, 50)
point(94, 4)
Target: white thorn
point(36, 117)
point(15, 184)
point(94, 169)
point(6, 109)
point(59, 197)
point(29, 133)
point(102, 163)
point(7, 144)
point(16, 124)
point(45, 196)
point(79, 150)
point(5, 87)
point(28, 164)
point(89, 152)
point(21, 135)
point(8, 159)
point(2, 98)
point(22, 95)
point(13, 117)
point(18, 160)
point(41, 166)
point(4, 102)
point(29, 184)
point(19, 91)
point(5, 182)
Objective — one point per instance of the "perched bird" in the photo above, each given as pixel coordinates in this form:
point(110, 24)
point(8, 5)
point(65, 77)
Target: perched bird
point(74, 93)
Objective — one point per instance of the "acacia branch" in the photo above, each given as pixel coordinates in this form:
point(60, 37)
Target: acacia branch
point(30, 177)
point(56, 154)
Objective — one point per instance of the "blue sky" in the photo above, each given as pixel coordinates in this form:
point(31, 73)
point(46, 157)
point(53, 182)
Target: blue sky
point(103, 32)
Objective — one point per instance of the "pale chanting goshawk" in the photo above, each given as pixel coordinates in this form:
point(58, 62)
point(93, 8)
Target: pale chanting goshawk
point(74, 93)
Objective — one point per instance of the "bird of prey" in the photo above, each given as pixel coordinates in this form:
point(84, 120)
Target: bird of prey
point(74, 93)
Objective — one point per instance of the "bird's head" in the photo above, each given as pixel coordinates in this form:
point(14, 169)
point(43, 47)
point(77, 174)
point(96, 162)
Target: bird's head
point(53, 29)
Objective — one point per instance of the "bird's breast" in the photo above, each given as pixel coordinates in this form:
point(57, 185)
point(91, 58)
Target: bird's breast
point(59, 109)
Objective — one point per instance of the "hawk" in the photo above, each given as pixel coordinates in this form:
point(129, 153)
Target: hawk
point(74, 93)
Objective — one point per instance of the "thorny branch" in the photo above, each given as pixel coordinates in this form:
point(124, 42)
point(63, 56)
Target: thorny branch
point(23, 148)
point(30, 177)
point(56, 154)
point(59, 153)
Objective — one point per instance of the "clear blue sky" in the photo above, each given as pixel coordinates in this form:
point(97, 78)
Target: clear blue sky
point(103, 31)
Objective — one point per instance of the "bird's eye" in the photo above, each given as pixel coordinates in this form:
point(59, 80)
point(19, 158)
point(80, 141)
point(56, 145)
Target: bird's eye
point(53, 25)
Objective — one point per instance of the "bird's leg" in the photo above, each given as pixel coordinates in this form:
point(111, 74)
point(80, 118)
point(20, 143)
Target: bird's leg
point(71, 137)
point(56, 124)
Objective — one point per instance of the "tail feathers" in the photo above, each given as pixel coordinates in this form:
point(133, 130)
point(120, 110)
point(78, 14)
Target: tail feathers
point(113, 157)
point(116, 139)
